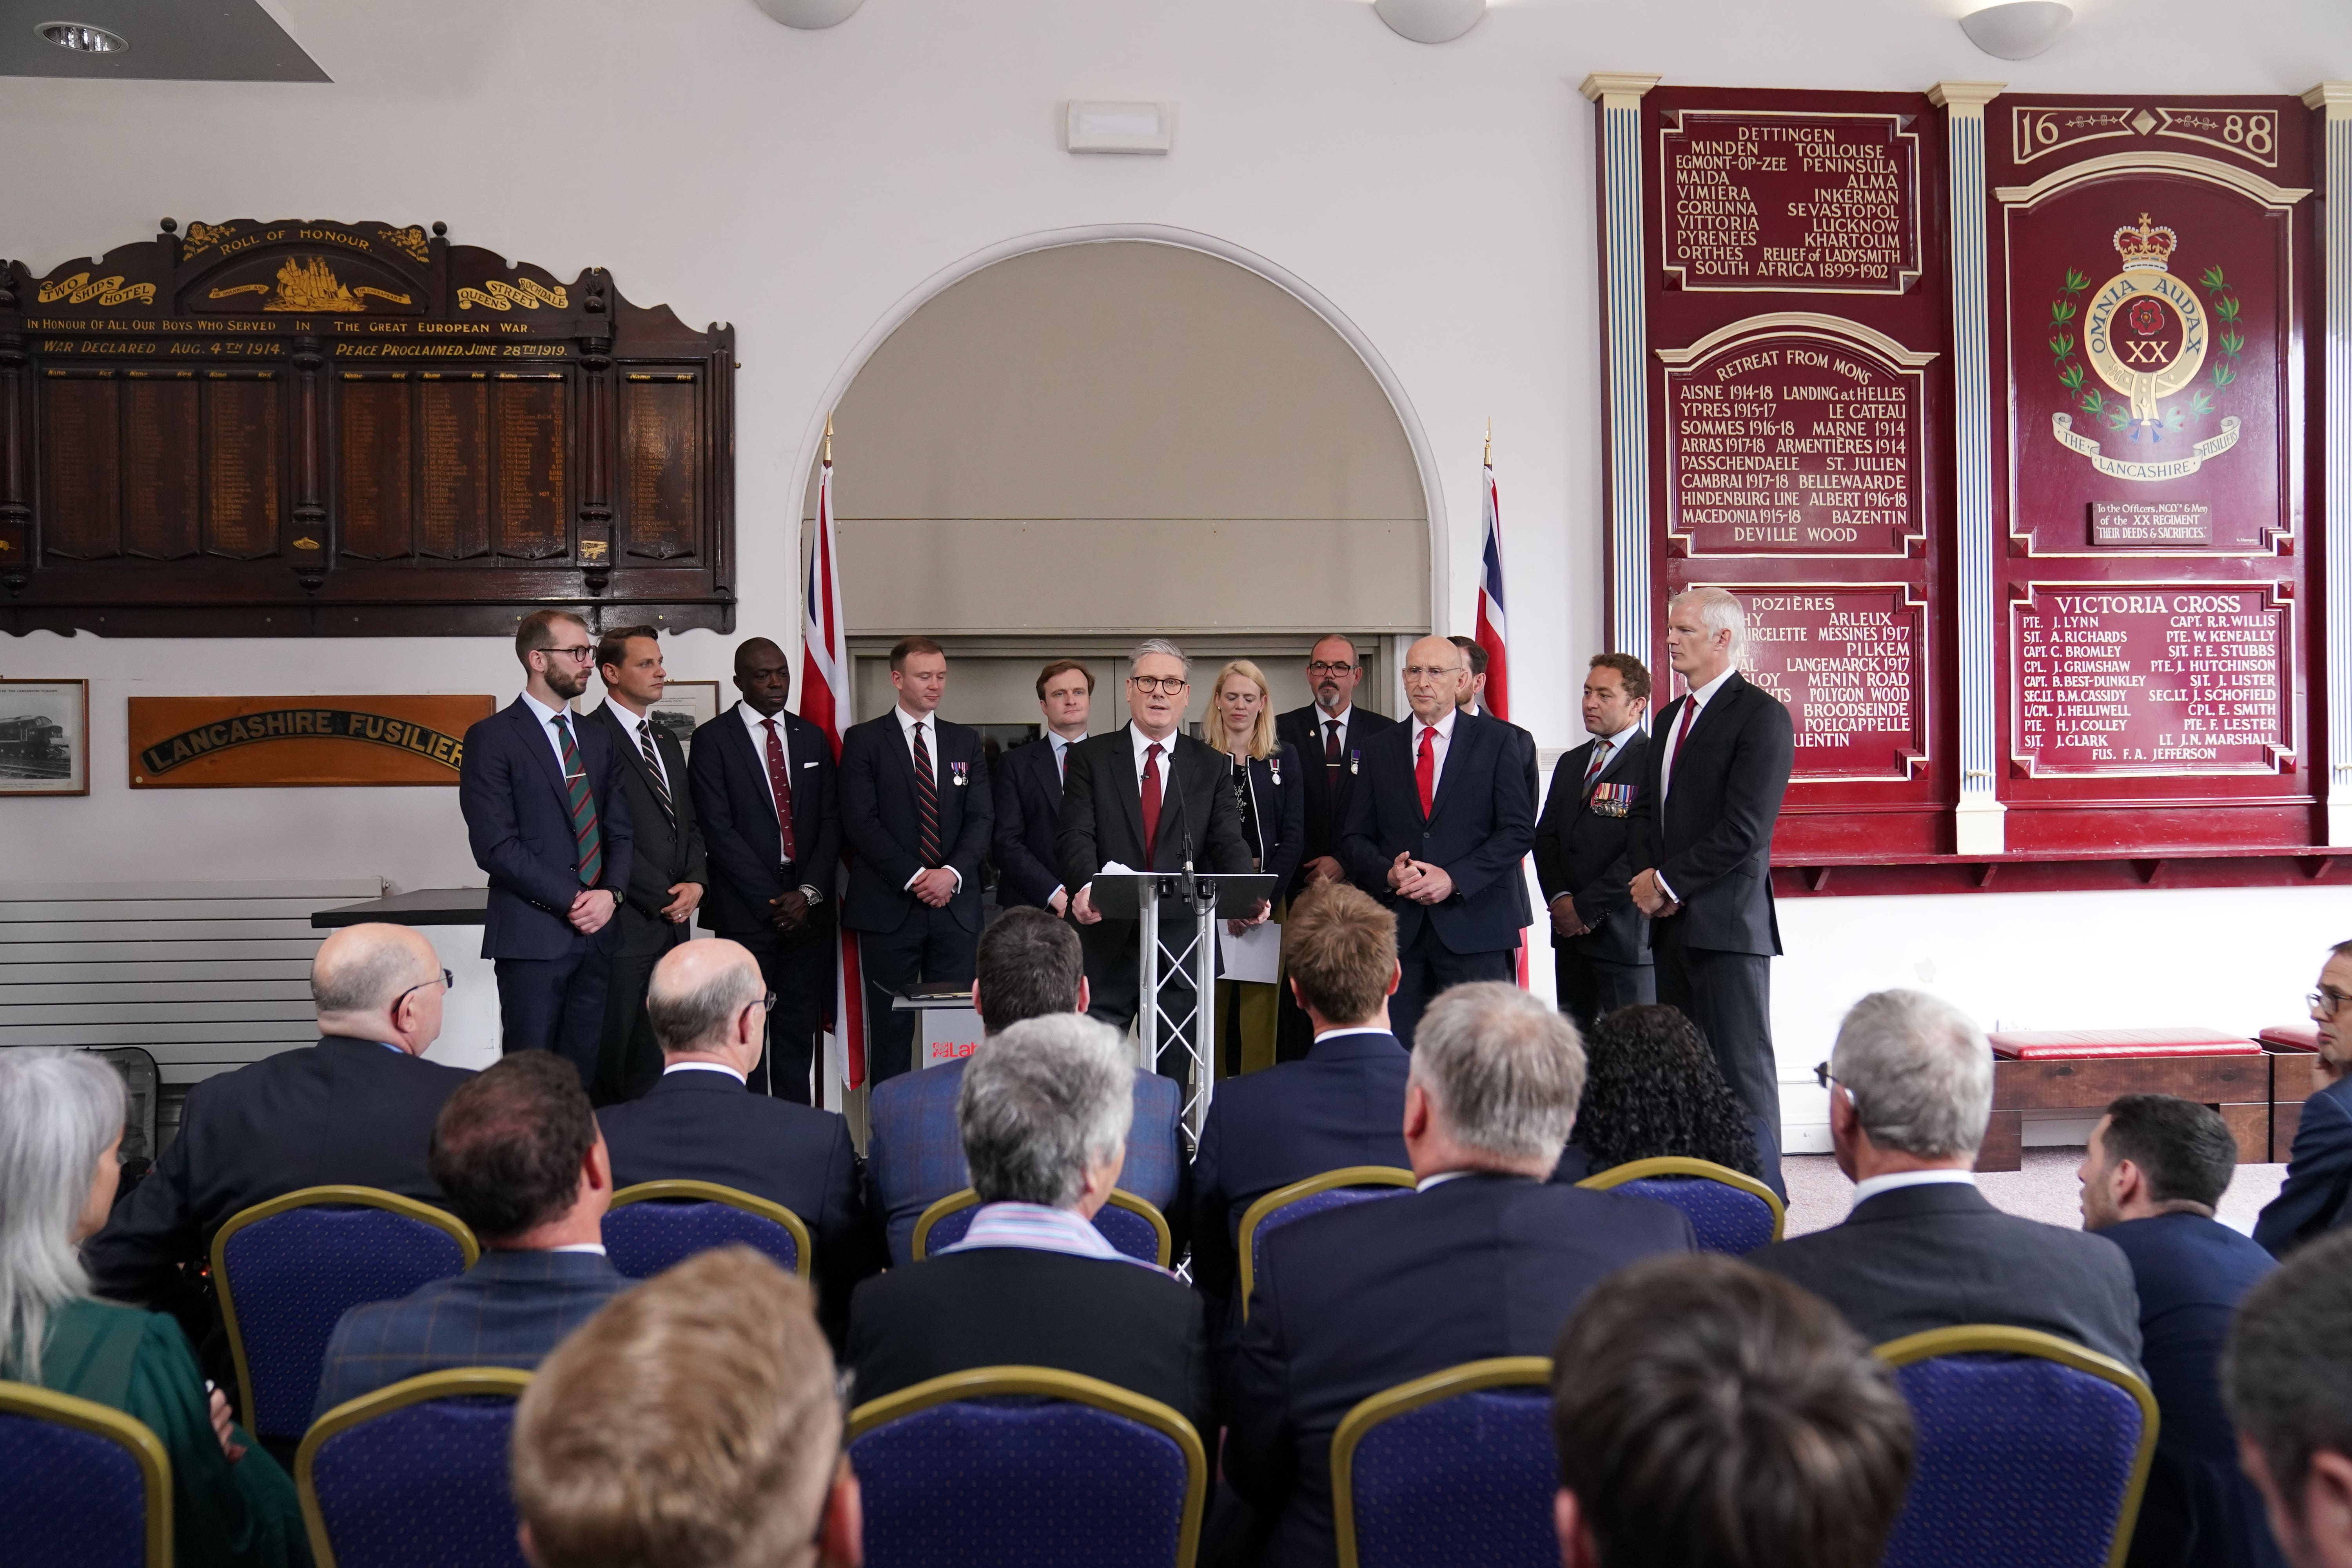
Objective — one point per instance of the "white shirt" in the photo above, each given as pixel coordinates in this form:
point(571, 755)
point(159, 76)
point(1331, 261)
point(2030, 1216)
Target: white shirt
point(1675, 731)
point(1322, 730)
point(547, 717)
point(1440, 1179)
point(1609, 746)
point(1142, 743)
point(757, 723)
point(595, 1247)
point(930, 722)
point(1866, 1191)
point(705, 1066)
point(1061, 754)
point(1444, 731)
point(1350, 1029)
point(636, 723)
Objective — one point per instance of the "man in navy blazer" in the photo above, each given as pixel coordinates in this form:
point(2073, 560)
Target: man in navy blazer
point(517, 1153)
point(2320, 1162)
point(775, 896)
point(549, 821)
point(699, 1122)
point(1342, 1104)
point(918, 812)
point(1487, 1258)
point(1599, 941)
point(2156, 1169)
point(1028, 780)
point(1701, 847)
point(1443, 817)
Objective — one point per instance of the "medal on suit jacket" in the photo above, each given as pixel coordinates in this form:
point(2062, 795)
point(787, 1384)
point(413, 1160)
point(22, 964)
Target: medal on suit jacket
point(1353, 758)
point(1273, 765)
point(1611, 799)
point(961, 771)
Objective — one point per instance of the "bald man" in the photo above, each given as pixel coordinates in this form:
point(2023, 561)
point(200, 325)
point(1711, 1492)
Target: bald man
point(357, 1109)
point(700, 1122)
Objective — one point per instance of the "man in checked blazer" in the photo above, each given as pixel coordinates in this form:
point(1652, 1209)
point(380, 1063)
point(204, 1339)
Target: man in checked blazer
point(548, 819)
point(1601, 942)
point(666, 874)
point(918, 812)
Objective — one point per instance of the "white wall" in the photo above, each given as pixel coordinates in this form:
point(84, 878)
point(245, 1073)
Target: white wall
point(801, 185)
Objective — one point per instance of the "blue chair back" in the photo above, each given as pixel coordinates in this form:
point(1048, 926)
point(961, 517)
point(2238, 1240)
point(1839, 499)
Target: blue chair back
point(289, 1269)
point(1026, 1464)
point(1455, 1469)
point(653, 1224)
point(1732, 1213)
point(81, 1484)
point(1316, 1195)
point(1129, 1223)
point(2032, 1451)
point(414, 1476)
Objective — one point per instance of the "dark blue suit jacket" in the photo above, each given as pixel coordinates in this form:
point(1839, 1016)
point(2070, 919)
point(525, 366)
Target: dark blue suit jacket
point(1713, 839)
point(1327, 795)
point(877, 818)
point(1481, 826)
point(1028, 820)
point(914, 1150)
point(2318, 1173)
point(1341, 1104)
point(728, 776)
point(509, 1309)
point(1362, 1298)
point(2192, 1273)
point(518, 821)
point(1582, 852)
point(1277, 784)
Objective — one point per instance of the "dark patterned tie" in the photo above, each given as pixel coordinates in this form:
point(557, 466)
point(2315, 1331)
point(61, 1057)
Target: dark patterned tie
point(1593, 769)
point(927, 804)
point(1331, 758)
point(587, 836)
point(780, 785)
point(653, 767)
point(1150, 802)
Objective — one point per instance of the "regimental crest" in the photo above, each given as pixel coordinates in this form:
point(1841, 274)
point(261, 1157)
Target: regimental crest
point(2147, 336)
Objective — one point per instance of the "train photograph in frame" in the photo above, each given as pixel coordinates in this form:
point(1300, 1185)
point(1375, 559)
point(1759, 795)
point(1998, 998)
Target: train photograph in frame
point(44, 737)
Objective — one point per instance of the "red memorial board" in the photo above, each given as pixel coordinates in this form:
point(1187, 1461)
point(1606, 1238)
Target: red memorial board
point(1780, 202)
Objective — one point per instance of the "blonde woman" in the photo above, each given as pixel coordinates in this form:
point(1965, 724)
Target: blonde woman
point(1269, 785)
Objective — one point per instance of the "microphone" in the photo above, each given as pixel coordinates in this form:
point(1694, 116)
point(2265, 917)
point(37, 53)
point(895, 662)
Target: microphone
point(1179, 787)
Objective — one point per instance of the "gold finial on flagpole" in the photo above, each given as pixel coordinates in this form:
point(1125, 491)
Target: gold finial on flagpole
point(828, 438)
point(1490, 441)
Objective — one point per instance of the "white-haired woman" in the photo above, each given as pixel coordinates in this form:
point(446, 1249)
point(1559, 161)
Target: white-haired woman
point(61, 1116)
point(1271, 789)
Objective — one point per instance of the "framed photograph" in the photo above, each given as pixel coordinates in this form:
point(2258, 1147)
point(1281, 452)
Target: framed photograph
point(44, 737)
point(685, 704)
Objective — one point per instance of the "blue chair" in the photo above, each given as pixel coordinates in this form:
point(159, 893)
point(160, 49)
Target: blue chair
point(1733, 1214)
point(81, 1484)
point(287, 1270)
point(1454, 1468)
point(1332, 1190)
point(1126, 1221)
point(653, 1224)
point(2033, 1451)
point(1027, 1465)
point(414, 1476)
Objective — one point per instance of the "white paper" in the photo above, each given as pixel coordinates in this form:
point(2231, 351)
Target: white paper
point(1255, 955)
point(1116, 870)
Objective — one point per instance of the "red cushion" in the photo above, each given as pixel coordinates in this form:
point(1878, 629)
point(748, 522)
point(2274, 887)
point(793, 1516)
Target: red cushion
point(2292, 1036)
point(2097, 1044)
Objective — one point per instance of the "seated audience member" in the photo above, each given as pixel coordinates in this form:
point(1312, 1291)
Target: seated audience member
point(1044, 1109)
point(61, 1116)
point(1910, 1093)
point(1029, 965)
point(1489, 1259)
point(1651, 1088)
point(701, 1122)
point(2286, 1382)
point(2319, 1163)
point(355, 1109)
point(1708, 1416)
point(517, 1153)
point(695, 1423)
point(1342, 1104)
point(2155, 1170)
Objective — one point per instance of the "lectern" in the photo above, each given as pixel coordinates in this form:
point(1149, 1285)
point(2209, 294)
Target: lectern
point(1207, 898)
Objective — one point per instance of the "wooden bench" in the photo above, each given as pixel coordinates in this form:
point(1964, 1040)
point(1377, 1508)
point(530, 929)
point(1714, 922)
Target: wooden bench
point(2295, 1052)
point(2082, 1070)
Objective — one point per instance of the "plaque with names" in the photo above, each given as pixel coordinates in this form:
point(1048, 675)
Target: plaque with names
point(160, 428)
point(453, 520)
point(372, 418)
point(526, 422)
point(81, 472)
point(240, 465)
point(1851, 662)
point(661, 449)
point(1790, 203)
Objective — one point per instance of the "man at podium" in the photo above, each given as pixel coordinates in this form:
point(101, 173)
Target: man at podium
point(1147, 799)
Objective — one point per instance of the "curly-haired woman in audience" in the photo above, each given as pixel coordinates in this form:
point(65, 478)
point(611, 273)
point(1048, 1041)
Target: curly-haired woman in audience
point(1651, 1088)
point(61, 1115)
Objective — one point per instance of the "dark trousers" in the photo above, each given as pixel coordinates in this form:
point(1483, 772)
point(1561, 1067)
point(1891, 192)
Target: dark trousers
point(927, 945)
point(555, 1005)
point(799, 970)
point(1430, 968)
point(1589, 987)
point(1729, 997)
point(1114, 956)
point(629, 1058)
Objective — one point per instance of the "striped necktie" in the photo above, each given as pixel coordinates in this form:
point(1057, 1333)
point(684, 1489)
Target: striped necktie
point(926, 804)
point(587, 834)
point(653, 768)
point(1600, 760)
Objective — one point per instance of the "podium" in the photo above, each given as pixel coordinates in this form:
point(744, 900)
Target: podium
point(1200, 899)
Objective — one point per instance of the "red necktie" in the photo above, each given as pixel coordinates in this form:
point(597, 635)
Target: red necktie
point(1681, 733)
point(780, 780)
point(1150, 802)
point(1425, 773)
point(927, 804)
point(1331, 758)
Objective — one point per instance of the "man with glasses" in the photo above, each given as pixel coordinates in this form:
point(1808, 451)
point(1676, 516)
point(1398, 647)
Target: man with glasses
point(2319, 1165)
point(548, 820)
point(1331, 733)
point(1149, 799)
point(1438, 831)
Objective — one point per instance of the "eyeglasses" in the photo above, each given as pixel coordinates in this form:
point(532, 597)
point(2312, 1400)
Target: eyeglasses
point(447, 982)
point(579, 654)
point(1168, 684)
point(1429, 672)
point(767, 1002)
point(1318, 667)
point(1822, 1074)
point(2324, 1002)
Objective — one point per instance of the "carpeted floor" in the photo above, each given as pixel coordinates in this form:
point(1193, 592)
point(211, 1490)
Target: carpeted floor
point(2046, 1190)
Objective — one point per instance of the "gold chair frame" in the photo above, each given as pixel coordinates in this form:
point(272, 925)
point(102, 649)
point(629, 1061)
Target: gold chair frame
point(1469, 1377)
point(2000, 1339)
point(985, 1381)
point(1119, 1198)
point(310, 1197)
point(1677, 1165)
point(734, 1198)
point(498, 1381)
point(1346, 1176)
point(105, 1421)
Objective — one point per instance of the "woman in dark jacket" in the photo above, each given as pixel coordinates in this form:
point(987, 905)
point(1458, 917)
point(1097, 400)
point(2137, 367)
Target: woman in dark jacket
point(1270, 789)
point(1651, 1088)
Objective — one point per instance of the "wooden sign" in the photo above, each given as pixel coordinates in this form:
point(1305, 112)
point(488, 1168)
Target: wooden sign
point(227, 742)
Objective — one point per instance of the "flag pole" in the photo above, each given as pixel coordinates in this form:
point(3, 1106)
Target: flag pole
point(1490, 441)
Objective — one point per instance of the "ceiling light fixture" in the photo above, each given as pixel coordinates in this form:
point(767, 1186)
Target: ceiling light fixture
point(82, 39)
point(810, 15)
point(2018, 30)
point(1431, 21)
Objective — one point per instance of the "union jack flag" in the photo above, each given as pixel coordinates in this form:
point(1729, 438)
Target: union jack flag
point(825, 703)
